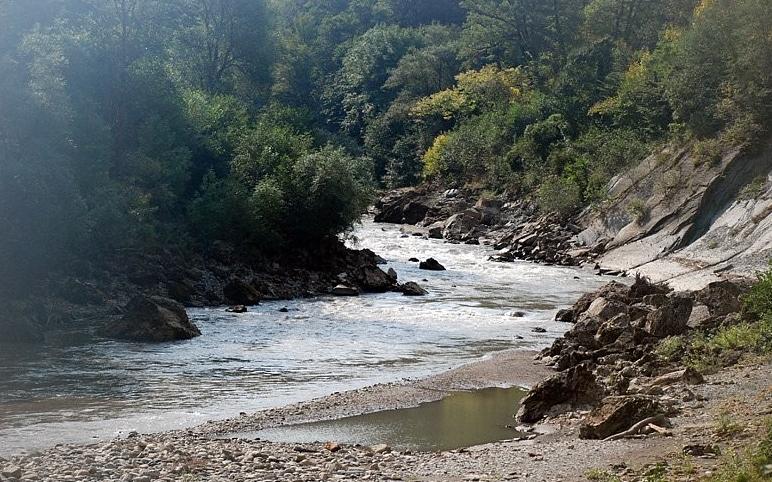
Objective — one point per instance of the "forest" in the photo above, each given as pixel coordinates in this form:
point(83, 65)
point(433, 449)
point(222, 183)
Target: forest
point(131, 124)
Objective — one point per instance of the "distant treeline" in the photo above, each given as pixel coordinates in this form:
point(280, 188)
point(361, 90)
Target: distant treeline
point(132, 124)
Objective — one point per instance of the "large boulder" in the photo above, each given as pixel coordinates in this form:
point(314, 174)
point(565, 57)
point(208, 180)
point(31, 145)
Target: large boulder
point(414, 212)
point(721, 297)
point(460, 226)
point(153, 319)
point(617, 414)
point(610, 330)
point(490, 210)
point(180, 290)
point(436, 229)
point(577, 385)
point(584, 330)
point(411, 288)
point(671, 318)
point(373, 279)
point(685, 375)
point(431, 264)
point(402, 206)
point(238, 292)
point(605, 309)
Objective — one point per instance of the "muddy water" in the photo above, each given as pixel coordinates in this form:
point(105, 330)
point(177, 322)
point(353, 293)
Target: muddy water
point(462, 419)
point(78, 389)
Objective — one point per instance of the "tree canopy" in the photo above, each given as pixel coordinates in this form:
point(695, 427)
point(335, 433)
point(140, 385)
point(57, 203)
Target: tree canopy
point(127, 124)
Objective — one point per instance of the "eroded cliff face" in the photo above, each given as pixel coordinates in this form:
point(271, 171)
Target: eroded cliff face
point(675, 219)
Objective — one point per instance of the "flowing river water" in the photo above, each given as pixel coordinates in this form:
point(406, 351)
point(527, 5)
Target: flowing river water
point(80, 389)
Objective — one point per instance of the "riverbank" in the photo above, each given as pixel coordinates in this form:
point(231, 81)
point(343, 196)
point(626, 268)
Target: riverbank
point(742, 393)
point(94, 294)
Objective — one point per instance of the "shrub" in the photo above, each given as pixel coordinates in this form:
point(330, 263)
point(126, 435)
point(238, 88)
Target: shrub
point(707, 151)
point(753, 189)
point(433, 157)
point(637, 209)
point(600, 475)
point(216, 211)
point(325, 193)
point(471, 149)
point(726, 425)
point(267, 148)
point(560, 195)
point(757, 303)
point(708, 353)
point(671, 348)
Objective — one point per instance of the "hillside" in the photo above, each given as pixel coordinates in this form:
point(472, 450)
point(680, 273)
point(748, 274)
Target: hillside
point(675, 219)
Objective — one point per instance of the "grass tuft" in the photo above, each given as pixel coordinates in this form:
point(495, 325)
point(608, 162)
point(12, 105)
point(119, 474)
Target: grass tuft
point(753, 464)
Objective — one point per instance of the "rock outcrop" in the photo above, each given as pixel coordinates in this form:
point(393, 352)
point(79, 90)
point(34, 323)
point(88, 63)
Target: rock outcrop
point(675, 219)
point(607, 359)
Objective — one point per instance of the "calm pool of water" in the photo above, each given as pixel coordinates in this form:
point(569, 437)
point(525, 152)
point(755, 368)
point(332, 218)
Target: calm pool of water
point(462, 419)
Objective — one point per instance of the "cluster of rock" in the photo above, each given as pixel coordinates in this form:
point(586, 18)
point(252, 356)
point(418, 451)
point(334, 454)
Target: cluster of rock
point(516, 229)
point(165, 458)
point(607, 361)
point(547, 239)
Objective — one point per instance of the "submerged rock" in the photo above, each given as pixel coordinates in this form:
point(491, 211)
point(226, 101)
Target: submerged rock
point(411, 288)
point(236, 309)
point(431, 264)
point(344, 290)
point(153, 319)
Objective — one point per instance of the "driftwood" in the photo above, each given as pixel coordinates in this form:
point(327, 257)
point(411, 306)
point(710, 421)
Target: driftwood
point(657, 419)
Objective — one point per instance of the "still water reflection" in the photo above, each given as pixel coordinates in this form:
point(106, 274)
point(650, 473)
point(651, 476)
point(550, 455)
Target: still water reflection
point(460, 420)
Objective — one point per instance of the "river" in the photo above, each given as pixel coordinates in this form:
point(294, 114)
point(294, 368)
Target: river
point(80, 390)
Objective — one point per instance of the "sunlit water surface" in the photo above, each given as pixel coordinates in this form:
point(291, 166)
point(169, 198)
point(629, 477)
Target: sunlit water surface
point(85, 389)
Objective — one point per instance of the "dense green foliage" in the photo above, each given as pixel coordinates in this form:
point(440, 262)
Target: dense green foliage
point(133, 123)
